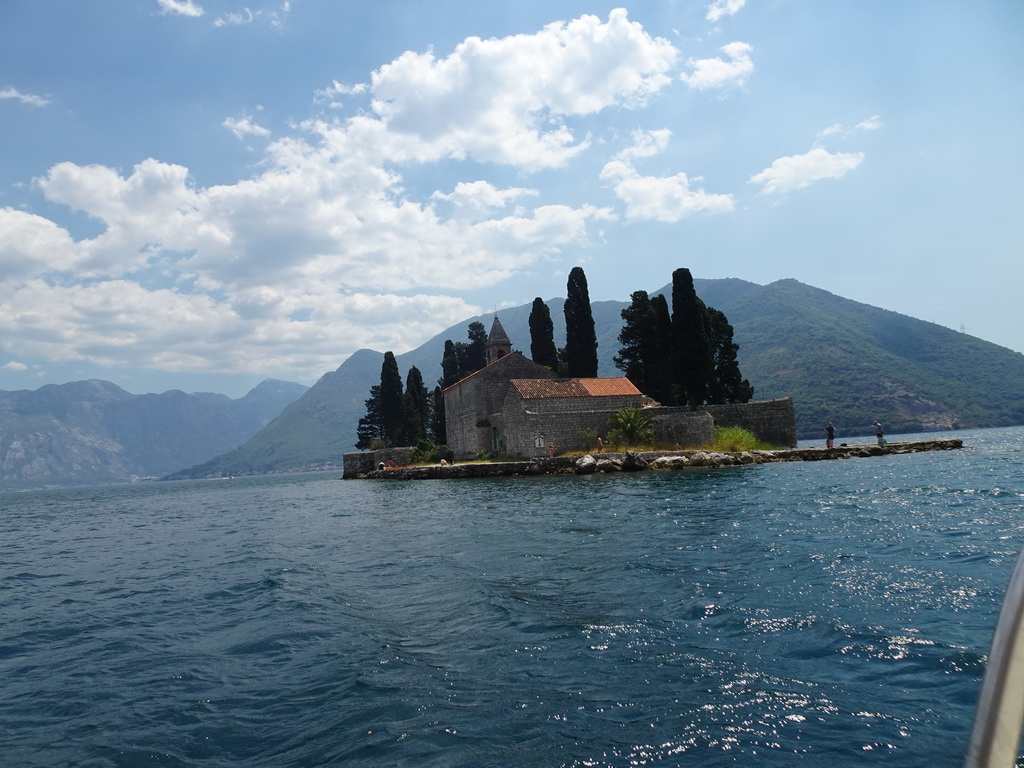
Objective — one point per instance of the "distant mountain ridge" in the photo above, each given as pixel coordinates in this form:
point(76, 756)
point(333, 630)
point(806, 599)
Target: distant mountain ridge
point(88, 432)
point(840, 360)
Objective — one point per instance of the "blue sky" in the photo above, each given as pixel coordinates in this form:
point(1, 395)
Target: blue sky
point(200, 194)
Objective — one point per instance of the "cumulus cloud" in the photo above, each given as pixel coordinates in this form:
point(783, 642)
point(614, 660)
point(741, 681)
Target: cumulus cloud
point(661, 198)
point(658, 198)
point(721, 8)
point(14, 365)
point(798, 171)
point(25, 98)
point(180, 7)
point(323, 250)
point(720, 73)
point(505, 100)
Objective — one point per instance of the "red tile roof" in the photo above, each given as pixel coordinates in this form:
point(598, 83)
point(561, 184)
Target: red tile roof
point(533, 389)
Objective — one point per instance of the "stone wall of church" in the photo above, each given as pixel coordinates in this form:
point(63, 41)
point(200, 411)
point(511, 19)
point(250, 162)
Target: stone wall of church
point(468, 403)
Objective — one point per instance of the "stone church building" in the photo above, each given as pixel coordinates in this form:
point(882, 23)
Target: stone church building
point(515, 407)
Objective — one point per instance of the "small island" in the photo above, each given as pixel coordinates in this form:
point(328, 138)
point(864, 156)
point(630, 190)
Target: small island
point(630, 461)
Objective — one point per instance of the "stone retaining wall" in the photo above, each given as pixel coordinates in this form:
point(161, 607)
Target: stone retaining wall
point(773, 421)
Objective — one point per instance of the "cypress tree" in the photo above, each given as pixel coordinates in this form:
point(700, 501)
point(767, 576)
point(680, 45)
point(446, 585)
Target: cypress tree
point(542, 336)
point(391, 400)
point(638, 338)
point(646, 352)
point(728, 384)
point(580, 336)
point(661, 384)
point(369, 427)
point(476, 350)
point(451, 364)
point(692, 356)
point(416, 404)
point(438, 430)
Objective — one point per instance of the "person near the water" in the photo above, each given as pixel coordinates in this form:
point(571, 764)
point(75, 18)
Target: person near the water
point(878, 432)
point(830, 435)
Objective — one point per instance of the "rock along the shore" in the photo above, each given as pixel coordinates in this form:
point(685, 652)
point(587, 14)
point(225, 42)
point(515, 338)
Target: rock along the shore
point(631, 461)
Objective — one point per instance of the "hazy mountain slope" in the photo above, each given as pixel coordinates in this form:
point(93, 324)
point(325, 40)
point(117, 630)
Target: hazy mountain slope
point(95, 432)
point(314, 430)
point(840, 360)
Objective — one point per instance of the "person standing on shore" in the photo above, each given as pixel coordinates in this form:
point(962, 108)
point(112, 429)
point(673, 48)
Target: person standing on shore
point(830, 435)
point(878, 432)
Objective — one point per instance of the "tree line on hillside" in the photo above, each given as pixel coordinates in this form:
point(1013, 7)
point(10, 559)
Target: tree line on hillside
point(683, 357)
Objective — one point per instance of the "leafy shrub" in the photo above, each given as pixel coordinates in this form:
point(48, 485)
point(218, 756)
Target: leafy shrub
point(424, 452)
point(631, 426)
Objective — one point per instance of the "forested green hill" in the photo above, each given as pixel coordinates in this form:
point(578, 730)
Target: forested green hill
point(852, 363)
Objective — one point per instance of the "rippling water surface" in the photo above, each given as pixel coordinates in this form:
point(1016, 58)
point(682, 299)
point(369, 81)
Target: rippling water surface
point(774, 615)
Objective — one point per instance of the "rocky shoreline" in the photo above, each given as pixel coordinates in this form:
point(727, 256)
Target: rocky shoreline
point(654, 460)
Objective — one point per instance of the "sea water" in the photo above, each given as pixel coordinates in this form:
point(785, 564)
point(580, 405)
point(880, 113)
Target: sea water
point(830, 613)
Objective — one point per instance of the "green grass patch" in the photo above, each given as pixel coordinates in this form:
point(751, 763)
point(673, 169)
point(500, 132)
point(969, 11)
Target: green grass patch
point(738, 439)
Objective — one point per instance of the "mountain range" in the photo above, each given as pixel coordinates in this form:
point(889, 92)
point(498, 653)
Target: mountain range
point(840, 361)
point(92, 432)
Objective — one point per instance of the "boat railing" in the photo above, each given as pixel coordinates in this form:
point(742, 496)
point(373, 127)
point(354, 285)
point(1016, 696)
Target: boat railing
point(998, 720)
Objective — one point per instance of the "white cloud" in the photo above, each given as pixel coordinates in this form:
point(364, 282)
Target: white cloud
point(646, 144)
point(180, 7)
point(504, 100)
point(32, 244)
point(798, 171)
point(14, 365)
point(330, 94)
point(719, 73)
point(873, 123)
point(324, 250)
point(721, 8)
point(234, 19)
point(661, 198)
point(244, 126)
point(24, 98)
point(476, 199)
point(658, 198)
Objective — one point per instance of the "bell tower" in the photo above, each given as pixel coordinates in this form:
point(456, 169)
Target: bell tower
point(498, 343)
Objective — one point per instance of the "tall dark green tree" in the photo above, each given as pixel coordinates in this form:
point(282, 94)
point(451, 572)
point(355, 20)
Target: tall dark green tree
point(463, 358)
point(451, 363)
point(638, 338)
point(645, 337)
point(369, 427)
point(692, 356)
point(392, 415)
point(416, 405)
point(476, 350)
point(438, 431)
point(542, 336)
point(580, 336)
point(661, 385)
point(727, 383)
